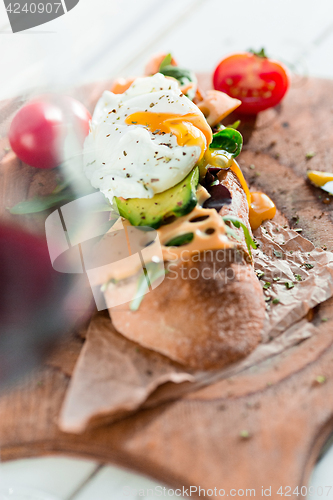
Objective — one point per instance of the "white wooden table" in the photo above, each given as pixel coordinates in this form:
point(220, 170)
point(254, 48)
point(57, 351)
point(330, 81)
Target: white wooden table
point(99, 39)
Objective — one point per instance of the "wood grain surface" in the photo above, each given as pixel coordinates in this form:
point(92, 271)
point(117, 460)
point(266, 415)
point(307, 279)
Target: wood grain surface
point(265, 427)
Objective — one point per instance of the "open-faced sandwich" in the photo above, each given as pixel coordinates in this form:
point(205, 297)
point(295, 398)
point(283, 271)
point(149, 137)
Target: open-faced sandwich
point(158, 152)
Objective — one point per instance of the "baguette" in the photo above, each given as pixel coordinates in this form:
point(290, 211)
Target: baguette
point(148, 150)
point(208, 312)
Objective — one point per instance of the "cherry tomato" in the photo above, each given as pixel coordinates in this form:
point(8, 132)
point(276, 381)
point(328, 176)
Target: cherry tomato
point(259, 82)
point(38, 131)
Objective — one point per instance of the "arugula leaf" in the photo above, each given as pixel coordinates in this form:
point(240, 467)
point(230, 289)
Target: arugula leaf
point(144, 281)
point(231, 232)
point(166, 62)
point(229, 140)
point(239, 224)
point(234, 125)
point(40, 203)
point(184, 76)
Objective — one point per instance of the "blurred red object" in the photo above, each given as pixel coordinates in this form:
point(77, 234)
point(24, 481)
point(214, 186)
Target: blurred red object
point(36, 305)
point(39, 129)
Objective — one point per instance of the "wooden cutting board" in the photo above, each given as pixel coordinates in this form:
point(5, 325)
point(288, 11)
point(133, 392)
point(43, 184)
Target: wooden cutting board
point(265, 427)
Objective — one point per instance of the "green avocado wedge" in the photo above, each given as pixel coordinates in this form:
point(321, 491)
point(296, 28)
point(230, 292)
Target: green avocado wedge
point(162, 207)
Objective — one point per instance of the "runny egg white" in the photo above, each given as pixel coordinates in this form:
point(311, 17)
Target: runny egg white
point(145, 140)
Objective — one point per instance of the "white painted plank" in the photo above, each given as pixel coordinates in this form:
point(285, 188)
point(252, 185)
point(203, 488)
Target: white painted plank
point(322, 478)
point(285, 28)
point(56, 476)
point(91, 42)
point(104, 38)
point(319, 59)
point(118, 484)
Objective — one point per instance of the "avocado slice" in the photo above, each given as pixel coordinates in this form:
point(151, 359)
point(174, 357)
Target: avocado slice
point(162, 207)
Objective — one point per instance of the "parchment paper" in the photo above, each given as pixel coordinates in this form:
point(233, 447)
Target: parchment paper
point(114, 377)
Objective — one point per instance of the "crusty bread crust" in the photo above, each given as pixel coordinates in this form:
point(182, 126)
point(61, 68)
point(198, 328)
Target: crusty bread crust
point(209, 311)
point(204, 323)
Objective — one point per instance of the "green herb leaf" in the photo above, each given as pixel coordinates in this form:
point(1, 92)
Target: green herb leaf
point(229, 140)
point(180, 240)
point(261, 53)
point(244, 434)
point(310, 155)
point(289, 285)
point(239, 224)
point(105, 285)
point(166, 62)
point(61, 186)
point(308, 266)
point(267, 285)
point(184, 76)
point(231, 232)
point(156, 271)
point(260, 274)
point(278, 254)
point(234, 125)
point(276, 301)
point(39, 204)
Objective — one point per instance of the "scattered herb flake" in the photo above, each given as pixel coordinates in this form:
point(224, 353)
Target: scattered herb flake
point(278, 254)
point(276, 301)
point(289, 285)
point(310, 155)
point(266, 285)
point(234, 125)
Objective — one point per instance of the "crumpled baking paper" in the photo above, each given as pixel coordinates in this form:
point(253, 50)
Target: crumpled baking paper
point(114, 376)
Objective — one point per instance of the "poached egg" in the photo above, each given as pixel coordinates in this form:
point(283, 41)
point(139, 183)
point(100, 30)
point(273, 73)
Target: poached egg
point(144, 141)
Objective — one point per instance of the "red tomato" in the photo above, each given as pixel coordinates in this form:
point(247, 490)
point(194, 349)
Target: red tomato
point(39, 129)
point(259, 82)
